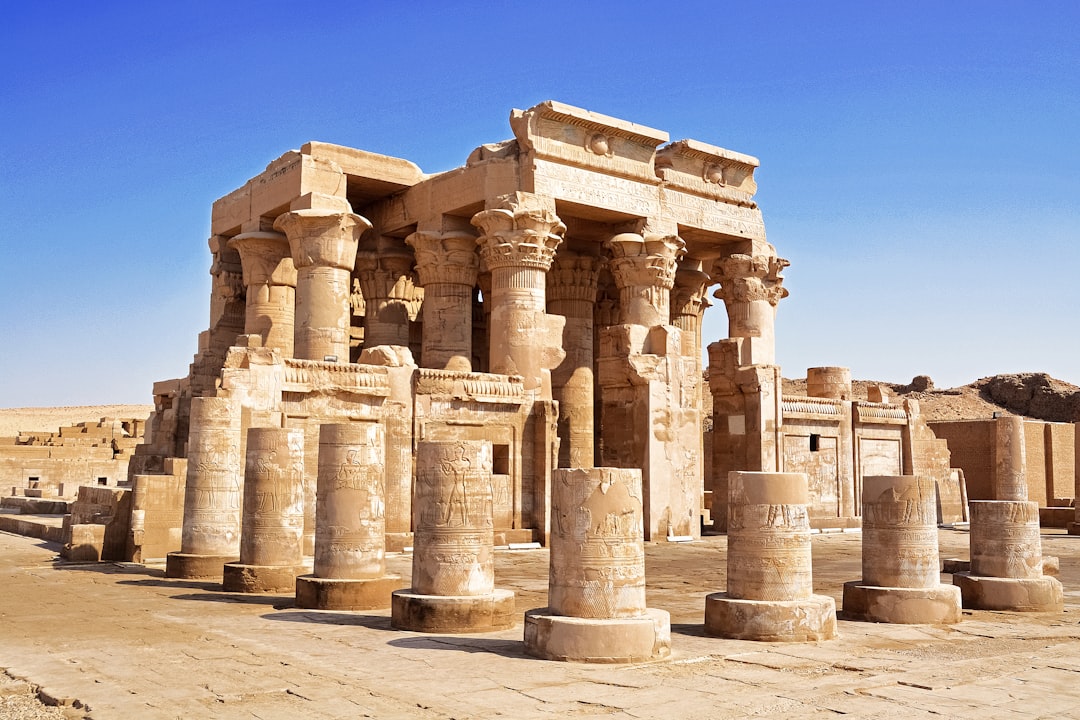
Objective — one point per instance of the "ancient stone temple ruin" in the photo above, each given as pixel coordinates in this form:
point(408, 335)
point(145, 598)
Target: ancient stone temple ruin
point(546, 298)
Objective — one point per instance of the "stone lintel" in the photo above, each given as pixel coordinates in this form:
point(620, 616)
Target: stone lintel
point(574, 136)
point(708, 170)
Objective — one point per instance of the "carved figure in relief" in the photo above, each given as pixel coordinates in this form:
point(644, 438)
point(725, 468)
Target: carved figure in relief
point(613, 511)
point(457, 467)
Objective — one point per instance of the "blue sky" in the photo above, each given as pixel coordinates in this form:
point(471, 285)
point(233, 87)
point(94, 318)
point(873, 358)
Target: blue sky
point(920, 161)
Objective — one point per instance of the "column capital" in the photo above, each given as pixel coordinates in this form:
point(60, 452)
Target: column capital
point(265, 258)
point(445, 257)
point(649, 260)
point(323, 238)
point(573, 277)
point(746, 278)
point(689, 295)
point(385, 275)
point(522, 230)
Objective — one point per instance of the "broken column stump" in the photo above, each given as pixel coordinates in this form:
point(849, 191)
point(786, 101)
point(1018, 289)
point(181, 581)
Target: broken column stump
point(271, 549)
point(453, 574)
point(769, 580)
point(901, 576)
point(596, 588)
point(350, 526)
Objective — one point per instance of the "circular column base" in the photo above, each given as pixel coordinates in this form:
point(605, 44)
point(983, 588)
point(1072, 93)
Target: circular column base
point(260, 578)
point(315, 593)
point(771, 620)
point(909, 606)
point(452, 613)
point(195, 567)
point(616, 640)
point(1042, 594)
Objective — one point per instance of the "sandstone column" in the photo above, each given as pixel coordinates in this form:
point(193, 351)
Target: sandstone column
point(769, 579)
point(1010, 459)
point(213, 494)
point(596, 590)
point(350, 540)
point(387, 285)
point(271, 544)
point(517, 246)
point(1006, 560)
point(571, 292)
point(446, 265)
point(641, 370)
point(323, 245)
point(900, 563)
point(453, 576)
point(270, 282)
point(829, 382)
point(751, 287)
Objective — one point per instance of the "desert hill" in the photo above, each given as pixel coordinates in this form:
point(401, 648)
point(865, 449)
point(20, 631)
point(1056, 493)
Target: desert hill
point(49, 419)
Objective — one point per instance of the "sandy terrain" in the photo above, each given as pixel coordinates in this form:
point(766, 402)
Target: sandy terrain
point(50, 419)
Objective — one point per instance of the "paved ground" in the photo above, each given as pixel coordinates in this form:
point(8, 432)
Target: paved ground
point(116, 641)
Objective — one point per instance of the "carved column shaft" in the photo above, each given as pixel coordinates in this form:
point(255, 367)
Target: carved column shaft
point(518, 245)
point(273, 520)
point(323, 245)
point(270, 282)
point(350, 541)
point(571, 292)
point(214, 492)
point(447, 265)
point(387, 285)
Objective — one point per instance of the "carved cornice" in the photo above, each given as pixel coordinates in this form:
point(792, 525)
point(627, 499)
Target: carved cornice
point(445, 258)
point(313, 376)
point(470, 386)
point(522, 231)
point(745, 278)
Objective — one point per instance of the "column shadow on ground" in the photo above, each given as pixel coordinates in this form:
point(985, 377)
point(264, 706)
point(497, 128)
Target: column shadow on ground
point(277, 601)
point(329, 617)
point(690, 629)
point(497, 646)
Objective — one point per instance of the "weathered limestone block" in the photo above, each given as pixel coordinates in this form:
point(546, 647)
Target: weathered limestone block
point(85, 543)
point(350, 539)
point(1006, 560)
point(213, 493)
point(271, 549)
point(453, 576)
point(596, 590)
point(900, 563)
point(770, 590)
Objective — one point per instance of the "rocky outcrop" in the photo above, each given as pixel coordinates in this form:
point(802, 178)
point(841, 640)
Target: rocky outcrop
point(1036, 395)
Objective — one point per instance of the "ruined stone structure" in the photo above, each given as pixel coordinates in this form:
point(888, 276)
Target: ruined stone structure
point(547, 298)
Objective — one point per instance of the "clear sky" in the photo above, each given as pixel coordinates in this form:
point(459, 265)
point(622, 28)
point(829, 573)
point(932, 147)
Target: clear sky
point(920, 161)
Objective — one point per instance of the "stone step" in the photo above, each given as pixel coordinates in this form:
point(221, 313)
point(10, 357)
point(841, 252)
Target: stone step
point(43, 527)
